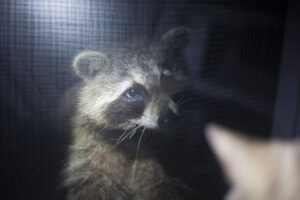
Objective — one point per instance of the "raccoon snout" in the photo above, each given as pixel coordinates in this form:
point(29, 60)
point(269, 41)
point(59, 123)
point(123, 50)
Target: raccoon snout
point(167, 118)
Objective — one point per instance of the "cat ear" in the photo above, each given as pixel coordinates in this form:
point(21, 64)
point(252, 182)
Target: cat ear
point(232, 149)
point(88, 64)
point(223, 141)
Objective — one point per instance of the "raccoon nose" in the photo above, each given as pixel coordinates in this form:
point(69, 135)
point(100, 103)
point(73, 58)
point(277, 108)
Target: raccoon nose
point(166, 118)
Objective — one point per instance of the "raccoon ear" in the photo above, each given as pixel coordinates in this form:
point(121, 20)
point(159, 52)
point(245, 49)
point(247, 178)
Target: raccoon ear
point(176, 38)
point(88, 64)
point(172, 42)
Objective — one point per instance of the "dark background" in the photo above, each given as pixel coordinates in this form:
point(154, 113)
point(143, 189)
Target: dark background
point(233, 61)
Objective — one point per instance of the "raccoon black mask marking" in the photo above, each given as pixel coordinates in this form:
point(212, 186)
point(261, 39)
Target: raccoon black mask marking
point(123, 91)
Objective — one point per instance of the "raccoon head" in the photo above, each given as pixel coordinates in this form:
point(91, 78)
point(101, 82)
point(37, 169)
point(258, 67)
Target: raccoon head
point(132, 87)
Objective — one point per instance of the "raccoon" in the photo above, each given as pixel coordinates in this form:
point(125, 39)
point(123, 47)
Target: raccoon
point(257, 170)
point(123, 93)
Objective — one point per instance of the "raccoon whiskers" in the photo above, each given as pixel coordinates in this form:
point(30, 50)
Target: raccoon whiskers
point(134, 131)
point(127, 132)
point(180, 100)
point(139, 143)
point(183, 100)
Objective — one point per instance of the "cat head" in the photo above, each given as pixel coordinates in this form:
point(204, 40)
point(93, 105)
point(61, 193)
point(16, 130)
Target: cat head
point(256, 169)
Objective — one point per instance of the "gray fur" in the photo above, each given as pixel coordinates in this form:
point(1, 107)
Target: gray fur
point(95, 168)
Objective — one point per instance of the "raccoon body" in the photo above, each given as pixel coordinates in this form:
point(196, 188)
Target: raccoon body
point(123, 94)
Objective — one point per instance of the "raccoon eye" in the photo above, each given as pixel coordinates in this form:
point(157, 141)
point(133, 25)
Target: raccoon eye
point(134, 93)
point(131, 93)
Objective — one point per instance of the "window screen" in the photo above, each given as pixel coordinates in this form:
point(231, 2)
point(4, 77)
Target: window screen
point(232, 58)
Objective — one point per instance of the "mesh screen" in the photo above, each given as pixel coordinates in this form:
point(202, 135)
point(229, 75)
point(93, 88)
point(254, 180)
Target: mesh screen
point(233, 62)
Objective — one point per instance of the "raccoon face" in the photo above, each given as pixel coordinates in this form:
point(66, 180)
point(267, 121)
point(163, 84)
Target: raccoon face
point(132, 87)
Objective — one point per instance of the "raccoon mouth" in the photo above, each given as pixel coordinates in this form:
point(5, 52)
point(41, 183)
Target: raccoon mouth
point(135, 134)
